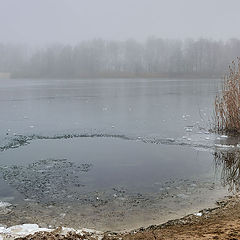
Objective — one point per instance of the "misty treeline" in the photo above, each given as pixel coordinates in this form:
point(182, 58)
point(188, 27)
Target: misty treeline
point(98, 58)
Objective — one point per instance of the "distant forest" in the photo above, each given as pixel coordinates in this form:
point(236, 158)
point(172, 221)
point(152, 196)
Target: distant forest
point(98, 58)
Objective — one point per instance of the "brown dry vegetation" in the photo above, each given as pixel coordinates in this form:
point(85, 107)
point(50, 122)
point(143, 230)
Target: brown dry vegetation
point(227, 102)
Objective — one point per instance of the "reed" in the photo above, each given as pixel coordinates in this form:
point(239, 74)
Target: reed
point(228, 162)
point(227, 102)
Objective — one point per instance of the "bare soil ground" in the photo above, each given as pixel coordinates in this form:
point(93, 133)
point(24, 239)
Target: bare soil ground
point(221, 223)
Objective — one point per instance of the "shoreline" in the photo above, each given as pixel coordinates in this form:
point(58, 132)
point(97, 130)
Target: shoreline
point(220, 222)
point(127, 77)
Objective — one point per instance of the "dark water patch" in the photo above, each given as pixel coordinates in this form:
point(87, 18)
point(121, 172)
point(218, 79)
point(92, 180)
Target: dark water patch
point(116, 162)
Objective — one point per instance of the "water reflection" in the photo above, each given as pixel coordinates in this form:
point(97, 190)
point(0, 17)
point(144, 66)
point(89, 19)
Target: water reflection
point(228, 162)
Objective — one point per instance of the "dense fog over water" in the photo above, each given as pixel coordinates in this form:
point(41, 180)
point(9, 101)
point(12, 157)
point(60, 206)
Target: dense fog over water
point(109, 38)
point(99, 58)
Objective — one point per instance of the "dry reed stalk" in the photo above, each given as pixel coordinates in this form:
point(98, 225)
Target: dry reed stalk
point(229, 163)
point(227, 102)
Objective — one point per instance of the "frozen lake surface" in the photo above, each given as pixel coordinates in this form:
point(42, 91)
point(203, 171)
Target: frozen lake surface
point(110, 154)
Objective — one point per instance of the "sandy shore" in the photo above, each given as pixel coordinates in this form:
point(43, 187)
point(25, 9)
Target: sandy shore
point(221, 222)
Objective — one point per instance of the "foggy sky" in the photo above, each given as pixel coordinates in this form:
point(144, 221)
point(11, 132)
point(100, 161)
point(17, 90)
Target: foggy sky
point(71, 21)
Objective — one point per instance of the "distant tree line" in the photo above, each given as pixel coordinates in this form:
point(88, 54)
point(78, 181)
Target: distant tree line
point(98, 58)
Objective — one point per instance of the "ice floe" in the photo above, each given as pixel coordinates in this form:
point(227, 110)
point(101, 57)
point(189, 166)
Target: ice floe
point(224, 136)
point(224, 146)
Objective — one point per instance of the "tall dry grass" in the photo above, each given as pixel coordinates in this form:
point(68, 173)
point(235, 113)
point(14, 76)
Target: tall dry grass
point(227, 102)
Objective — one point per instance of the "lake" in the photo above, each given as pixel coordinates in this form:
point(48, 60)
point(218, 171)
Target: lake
point(111, 154)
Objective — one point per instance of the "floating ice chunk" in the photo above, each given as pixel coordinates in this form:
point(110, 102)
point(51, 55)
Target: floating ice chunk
point(198, 214)
point(224, 146)
point(188, 129)
point(207, 138)
point(224, 136)
point(28, 200)
point(31, 126)
point(182, 195)
point(184, 137)
point(189, 139)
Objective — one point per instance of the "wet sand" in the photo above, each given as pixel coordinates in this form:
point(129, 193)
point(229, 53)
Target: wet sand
point(116, 209)
point(221, 222)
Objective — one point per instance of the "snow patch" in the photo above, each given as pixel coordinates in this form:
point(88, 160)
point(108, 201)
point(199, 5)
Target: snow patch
point(4, 204)
point(198, 214)
point(20, 231)
point(26, 229)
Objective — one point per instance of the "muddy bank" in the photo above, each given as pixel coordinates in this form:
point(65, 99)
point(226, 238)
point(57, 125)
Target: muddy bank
point(114, 209)
point(221, 222)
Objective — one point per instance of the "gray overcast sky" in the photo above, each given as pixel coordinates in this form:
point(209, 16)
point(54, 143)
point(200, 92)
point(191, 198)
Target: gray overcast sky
point(70, 21)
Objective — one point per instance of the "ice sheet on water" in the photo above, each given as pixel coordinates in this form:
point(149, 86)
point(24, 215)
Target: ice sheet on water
point(191, 138)
point(224, 146)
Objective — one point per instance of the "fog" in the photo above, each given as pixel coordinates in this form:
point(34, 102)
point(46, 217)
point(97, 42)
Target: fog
point(40, 22)
point(124, 38)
